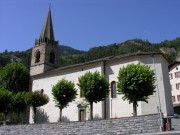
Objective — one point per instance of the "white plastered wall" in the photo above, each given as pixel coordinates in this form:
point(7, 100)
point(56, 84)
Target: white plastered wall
point(162, 85)
point(71, 112)
point(118, 107)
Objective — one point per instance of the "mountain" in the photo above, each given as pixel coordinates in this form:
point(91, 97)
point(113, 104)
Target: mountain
point(25, 56)
point(65, 50)
point(69, 56)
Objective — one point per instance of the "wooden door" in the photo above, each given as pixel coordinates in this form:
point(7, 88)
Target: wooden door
point(81, 115)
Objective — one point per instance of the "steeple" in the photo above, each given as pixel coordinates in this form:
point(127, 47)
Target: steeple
point(45, 54)
point(47, 34)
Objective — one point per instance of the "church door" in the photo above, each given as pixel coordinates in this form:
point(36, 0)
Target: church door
point(81, 115)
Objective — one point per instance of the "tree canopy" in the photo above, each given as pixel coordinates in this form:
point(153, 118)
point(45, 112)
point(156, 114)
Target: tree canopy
point(36, 100)
point(94, 87)
point(19, 102)
point(136, 83)
point(64, 92)
point(5, 101)
point(14, 77)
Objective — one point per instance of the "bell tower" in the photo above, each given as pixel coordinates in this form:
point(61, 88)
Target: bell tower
point(45, 52)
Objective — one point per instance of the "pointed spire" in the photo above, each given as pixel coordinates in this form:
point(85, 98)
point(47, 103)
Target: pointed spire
point(47, 33)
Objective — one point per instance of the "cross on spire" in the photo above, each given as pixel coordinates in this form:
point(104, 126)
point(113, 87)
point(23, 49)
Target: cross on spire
point(50, 5)
point(47, 33)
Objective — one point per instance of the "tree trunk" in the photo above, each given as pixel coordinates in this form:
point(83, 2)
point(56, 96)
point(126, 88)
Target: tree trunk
point(91, 111)
point(18, 115)
point(134, 108)
point(60, 115)
point(5, 116)
point(34, 110)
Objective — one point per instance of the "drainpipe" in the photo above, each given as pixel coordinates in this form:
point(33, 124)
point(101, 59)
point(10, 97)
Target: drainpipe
point(111, 109)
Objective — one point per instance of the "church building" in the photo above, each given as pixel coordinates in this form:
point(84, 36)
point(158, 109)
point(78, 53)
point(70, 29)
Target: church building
point(45, 74)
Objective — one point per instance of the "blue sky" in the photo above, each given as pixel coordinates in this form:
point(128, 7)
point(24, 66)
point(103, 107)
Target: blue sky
point(83, 24)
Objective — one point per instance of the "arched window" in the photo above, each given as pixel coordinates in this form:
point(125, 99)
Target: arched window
point(46, 39)
point(52, 58)
point(37, 56)
point(113, 89)
point(42, 91)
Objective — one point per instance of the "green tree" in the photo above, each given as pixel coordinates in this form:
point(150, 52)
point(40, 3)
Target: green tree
point(5, 102)
point(136, 83)
point(94, 87)
point(14, 77)
point(19, 104)
point(37, 99)
point(64, 92)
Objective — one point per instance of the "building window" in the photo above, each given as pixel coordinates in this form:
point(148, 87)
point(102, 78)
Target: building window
point(177, 74)
point(37, 56)
point(173, 98)
point(52, 58)
point(177, 86)
point(171, 76)
point(178, 97)
point(113, 89)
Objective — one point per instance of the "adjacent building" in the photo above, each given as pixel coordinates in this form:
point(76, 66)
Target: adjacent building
point(174, 76)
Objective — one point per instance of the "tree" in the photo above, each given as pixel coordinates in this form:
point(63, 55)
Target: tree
point(14, 77)
point(5, 102)
point(136, 82)
point(20, 101)
point(94, 87)
point(64, 92)
point(37, 99)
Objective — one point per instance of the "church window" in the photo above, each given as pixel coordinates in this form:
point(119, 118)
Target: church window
point(37, 56)
point(52, 58)
point(42, 91)
point(113, 89)
point(46, 39)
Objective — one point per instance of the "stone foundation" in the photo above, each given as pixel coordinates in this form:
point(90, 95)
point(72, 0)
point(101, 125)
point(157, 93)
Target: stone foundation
point(118, 126)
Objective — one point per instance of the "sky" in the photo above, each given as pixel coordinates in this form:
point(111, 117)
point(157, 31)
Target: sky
point(83, 24)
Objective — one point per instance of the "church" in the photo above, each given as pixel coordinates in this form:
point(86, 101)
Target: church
point(45, 73)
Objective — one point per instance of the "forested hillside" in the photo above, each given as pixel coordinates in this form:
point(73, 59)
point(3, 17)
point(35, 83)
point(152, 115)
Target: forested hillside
point(171, 49)
point(69, 56)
